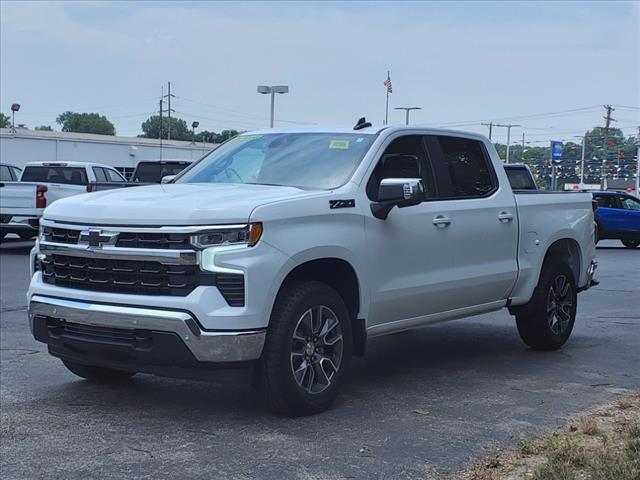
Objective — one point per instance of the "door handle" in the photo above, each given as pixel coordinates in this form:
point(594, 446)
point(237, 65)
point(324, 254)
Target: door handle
point(441, 221)
point(505, 217)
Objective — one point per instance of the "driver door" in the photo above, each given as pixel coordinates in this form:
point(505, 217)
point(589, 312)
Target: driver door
point(411, 268)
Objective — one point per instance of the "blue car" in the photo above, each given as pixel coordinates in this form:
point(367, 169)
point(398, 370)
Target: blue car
point(618, 217)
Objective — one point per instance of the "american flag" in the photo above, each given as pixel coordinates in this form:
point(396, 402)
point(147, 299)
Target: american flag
point(387, 83)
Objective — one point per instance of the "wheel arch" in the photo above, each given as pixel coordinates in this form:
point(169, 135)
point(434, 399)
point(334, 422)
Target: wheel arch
point(340, 275)
point(568, 251)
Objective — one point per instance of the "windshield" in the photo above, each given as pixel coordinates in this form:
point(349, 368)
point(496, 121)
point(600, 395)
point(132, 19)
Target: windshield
point(304, 160)
point(152, 172)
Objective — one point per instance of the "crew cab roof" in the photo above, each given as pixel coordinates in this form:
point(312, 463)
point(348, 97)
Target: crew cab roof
point(372, 130)
point(66, 164)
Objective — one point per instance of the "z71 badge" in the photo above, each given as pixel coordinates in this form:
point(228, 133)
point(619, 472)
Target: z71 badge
point(351, 203)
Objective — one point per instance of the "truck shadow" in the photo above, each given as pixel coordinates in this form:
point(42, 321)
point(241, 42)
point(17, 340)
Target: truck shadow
point(404, 370)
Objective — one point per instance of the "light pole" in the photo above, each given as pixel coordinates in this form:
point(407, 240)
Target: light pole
point(638, 164)
point(508, 127)
point(272, 90)
point(14, 108)
point(584, 139)
point(194, 125)
point(407, 110)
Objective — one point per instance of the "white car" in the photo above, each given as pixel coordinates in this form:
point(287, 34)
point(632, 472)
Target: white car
point(42, 183)
point(285, 250)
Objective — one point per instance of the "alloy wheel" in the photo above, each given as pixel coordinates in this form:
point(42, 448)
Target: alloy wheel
point(559, 305)
point(316, 349)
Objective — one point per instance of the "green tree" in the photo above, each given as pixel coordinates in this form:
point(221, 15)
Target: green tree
point(213, 137)
point(44, 128)
point(4, 121)
point(225, 135)
point(179, 128)
point(85, 123)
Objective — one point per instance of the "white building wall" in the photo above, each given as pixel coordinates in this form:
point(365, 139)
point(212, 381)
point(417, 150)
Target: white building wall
point(29, 146)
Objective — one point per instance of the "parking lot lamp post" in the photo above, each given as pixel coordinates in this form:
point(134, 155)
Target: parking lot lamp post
point(14, 108)
point(272, 90)
point(194, 125)
point(407, 110)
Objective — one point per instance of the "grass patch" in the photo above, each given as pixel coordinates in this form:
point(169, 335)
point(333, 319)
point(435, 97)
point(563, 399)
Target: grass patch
point(602, 444)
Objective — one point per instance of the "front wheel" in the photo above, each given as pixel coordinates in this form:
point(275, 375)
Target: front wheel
point(631, 243)
point(98, 374)
point(307, 350)
point(546, 322)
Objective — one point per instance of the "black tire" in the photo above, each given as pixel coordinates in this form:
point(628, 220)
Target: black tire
point(98, 374)
point(597, 234)
point(538, 326)
point(629, 243)
point(284, 391)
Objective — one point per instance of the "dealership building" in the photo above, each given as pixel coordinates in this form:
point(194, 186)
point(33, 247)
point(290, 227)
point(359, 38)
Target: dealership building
point(124, 153)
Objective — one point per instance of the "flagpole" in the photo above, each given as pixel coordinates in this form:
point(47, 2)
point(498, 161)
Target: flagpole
point(386, 113)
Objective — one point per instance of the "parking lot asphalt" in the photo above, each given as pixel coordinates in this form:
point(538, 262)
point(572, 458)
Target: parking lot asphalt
point(421, 403)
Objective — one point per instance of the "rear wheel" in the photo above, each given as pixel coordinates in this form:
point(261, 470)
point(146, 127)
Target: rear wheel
point(98, 374)
point(307, 350)
point(546, 322)
point(631, 243)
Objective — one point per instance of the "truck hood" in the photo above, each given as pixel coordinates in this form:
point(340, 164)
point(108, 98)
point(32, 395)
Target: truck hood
point(170, 204)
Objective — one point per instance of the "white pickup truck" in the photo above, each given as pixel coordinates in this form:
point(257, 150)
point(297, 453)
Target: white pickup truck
point(285, 250)
point(42, 183)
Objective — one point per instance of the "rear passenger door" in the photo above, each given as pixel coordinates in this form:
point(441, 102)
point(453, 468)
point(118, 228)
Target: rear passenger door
point(483, 220)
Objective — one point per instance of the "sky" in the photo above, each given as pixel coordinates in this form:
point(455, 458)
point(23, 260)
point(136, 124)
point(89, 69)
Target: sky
point(546, 66)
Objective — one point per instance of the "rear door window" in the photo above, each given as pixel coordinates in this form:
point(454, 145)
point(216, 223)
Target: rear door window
point(114, 176)
point(99, 173)
point(152, 172)
point(55, 174)
point(467, 168)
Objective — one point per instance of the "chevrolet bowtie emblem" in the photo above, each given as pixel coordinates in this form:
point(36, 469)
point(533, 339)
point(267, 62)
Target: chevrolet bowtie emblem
point(97, 238)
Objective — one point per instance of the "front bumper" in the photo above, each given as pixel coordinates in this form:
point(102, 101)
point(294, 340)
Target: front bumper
point(21, 225)
point(69, 325)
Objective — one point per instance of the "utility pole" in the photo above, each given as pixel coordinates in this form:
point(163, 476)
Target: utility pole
point(169, 110)
point(638, 164)
point(608, 120)
point(584, 139)
point(490, 125)
point(508, 127)
point(160, 131)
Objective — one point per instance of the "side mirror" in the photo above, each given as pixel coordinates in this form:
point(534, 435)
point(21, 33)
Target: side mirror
point(400, 192)
point(167, 179)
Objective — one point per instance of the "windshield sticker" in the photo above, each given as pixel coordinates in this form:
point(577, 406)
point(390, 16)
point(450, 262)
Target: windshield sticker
point(339, 144)
point(246, 138)
point(359, 140)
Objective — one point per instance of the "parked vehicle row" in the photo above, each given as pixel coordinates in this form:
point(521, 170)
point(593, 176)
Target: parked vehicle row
point(284, 250)
point(146, 173)
point(25, 194)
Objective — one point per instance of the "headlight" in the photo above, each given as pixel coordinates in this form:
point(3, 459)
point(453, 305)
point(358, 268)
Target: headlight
point(244, 235)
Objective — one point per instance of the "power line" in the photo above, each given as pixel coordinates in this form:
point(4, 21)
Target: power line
point(241, 113)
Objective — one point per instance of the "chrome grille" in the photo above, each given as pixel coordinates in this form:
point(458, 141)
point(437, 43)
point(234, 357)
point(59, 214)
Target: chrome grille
point(154, 240)
point(123, 276)
point(61, 235)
